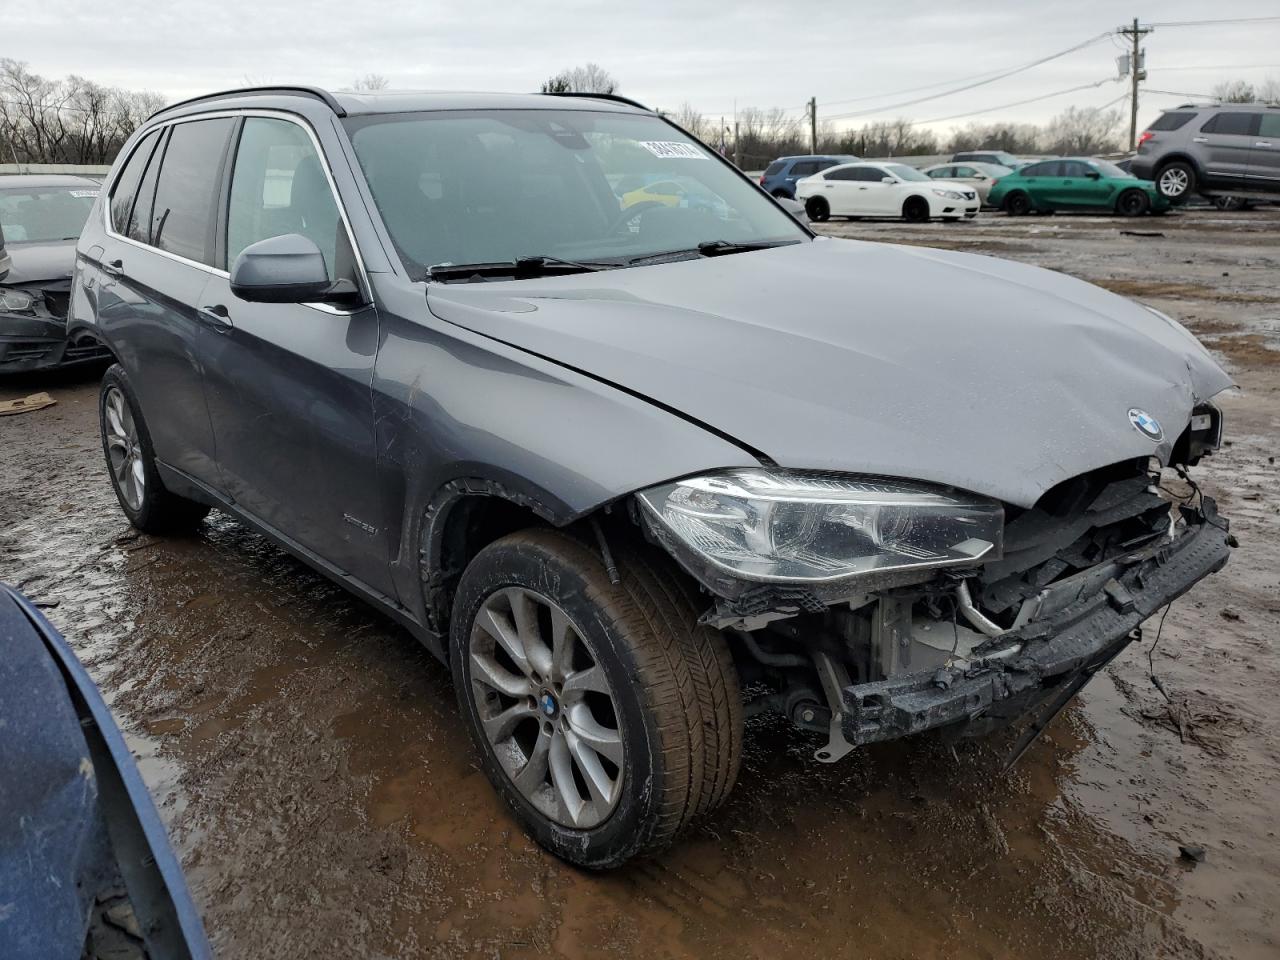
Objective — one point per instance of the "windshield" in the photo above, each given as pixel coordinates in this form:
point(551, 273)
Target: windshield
point(44, 214)
point(492, 186)
point(1107, 169)
point(903, 172)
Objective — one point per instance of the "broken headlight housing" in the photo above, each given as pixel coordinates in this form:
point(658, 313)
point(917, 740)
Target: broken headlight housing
point(16, 301)
point(773, 526)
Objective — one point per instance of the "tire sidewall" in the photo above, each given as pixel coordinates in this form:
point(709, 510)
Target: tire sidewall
point(817, 209)
point(1136, 198)
point(540, 569)
point(915, 210)
point(1017, 204)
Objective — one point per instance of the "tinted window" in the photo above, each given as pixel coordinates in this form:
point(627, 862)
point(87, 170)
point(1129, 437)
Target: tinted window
point(943, 173)
point(827, 164)
point(1269, 126)
point(1048, 169)
point(774, 168)
point(804, 168)
point(1072, 168)
point(187, 192)
point(1171, 121)
point(847, 173)
point(127, 183)
point(964, 172)
point(1237, 124)
point(139, 226)
point(277, 187)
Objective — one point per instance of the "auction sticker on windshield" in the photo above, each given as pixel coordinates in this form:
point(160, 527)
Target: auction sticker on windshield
point(673, 150)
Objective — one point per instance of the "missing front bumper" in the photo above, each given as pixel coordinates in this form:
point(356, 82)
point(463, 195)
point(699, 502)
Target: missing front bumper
point(1015, 671)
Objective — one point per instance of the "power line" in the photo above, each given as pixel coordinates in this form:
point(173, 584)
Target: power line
point(1221, 66)
point(1212, 23)
point(970, 86)
point(1019, 103)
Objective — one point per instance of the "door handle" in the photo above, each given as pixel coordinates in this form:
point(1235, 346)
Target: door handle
point(114, 269)
point(1199, 139)
point(216, 318)
point(1263, 143)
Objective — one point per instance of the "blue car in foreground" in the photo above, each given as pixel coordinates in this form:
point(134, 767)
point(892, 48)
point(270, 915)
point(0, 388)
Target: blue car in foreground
point(86, 871)
point(780, 177)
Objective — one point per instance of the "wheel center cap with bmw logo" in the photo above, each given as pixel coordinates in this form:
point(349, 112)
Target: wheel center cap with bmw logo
point(1146, 424)
point(549, 705)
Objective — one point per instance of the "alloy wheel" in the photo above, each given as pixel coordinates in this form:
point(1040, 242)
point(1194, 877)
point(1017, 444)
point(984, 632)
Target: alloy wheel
point(123, 450)
point(1174, 182)
point(546, 707)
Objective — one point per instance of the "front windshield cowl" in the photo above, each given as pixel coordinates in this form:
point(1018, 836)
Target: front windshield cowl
point(596, 187)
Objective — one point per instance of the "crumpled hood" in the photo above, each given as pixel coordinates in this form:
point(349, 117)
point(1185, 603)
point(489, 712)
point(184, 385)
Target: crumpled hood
point(859, 357)
point(33, 262)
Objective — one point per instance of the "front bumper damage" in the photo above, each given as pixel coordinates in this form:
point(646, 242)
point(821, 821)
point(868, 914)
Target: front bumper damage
point(40, 343)
point(1083, 622)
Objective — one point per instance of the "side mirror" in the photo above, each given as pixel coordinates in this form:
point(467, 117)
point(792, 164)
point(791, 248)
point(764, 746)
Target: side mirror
point(979, 176)
point(1094, 175)
point(888, 180)
point(794, 208)
point(285, 269)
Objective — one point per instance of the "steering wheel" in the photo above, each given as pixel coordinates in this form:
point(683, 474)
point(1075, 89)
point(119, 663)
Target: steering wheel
point(633, 211)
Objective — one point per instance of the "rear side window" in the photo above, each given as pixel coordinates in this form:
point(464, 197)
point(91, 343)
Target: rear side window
point(848, 173)
point(126, 186)
point(943, 173)
point(805, 168)
point(1171, 121)
point(1072, 168)
point(278, 187)
point(187, 191)
point(1269, 125)
point(774, 168)
point(1237, 124)
point(1048, 169)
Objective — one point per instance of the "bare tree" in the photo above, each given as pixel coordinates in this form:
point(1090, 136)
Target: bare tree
point(1235, 91)
point(65, 121)
point(1269, 90)
point(1082, 130)
point(694, 122)
point(590, 78)
point(370, 81)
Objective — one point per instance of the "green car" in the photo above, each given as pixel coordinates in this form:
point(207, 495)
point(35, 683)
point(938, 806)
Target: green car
point(1075, 183)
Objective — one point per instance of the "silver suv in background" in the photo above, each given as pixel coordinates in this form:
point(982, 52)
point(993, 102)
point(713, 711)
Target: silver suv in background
point(1213, 149)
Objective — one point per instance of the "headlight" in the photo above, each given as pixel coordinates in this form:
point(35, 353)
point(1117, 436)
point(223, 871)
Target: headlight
point(16, 301)
point(779, 527)
point(950, 194)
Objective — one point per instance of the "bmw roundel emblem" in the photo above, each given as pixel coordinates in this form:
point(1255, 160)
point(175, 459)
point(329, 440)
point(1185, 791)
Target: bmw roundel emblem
point(1146, 424)
point(549, 705)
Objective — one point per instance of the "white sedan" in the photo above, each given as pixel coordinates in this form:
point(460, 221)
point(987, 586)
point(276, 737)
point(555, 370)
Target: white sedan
point(884, 190)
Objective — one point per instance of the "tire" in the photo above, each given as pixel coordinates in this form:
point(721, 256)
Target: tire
point(131, 463)
point(1176, 181)
point(1017, 204)
point(1132, 203)
point(780, 194)
point(1230, 203)
point(663, 702)
point(817, 209)
point(915, 210)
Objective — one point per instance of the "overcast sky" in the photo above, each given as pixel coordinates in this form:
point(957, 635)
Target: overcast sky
point(663, 52)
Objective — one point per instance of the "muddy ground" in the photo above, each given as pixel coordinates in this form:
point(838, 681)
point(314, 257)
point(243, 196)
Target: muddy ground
point(309, 762)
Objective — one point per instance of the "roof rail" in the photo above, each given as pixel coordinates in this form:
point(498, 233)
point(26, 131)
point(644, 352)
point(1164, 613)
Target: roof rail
point(322, 95)
point(599, 96)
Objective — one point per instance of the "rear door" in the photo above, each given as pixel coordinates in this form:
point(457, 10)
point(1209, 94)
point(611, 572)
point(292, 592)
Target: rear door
point(289, 383)
point(840, 189)
point(799, 170)
point(153, 265)
point(1225, 144)
point(1264, 159)
point(1042, 181)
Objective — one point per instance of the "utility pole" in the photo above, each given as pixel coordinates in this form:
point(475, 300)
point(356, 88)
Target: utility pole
point(813, 125)
point(1137, 61)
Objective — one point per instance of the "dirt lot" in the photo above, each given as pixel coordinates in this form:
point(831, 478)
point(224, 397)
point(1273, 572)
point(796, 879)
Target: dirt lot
point(311, 767)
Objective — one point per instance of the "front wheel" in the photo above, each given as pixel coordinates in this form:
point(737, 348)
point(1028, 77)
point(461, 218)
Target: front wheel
point(605, 716)
point(915, 210)
point(817, 209)
point(131, 462)
point(1133, 203)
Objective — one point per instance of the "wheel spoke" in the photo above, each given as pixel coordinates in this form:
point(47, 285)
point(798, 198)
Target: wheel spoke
point(590, 680)
point(599, 785)
point(501, 630)
point(486, 670)
point(139, 478)
point(562, 640)
point(606, 742)
point(561, 762)
point(524, 611)
point(534, 772)
point(500, 727)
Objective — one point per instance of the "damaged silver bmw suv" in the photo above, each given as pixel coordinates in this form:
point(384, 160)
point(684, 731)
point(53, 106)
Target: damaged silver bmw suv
point(553, 385)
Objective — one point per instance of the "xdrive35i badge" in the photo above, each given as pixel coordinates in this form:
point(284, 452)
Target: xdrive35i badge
point(1146, 424)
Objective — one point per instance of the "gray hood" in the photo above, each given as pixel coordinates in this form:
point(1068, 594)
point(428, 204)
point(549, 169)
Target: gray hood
point(33, 262)
point(857, 357)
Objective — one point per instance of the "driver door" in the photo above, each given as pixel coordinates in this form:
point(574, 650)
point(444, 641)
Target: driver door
point(288, 384)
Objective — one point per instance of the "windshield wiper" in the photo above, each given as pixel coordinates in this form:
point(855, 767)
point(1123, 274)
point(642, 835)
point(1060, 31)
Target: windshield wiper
point(713, 248)
point(539, 266)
